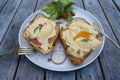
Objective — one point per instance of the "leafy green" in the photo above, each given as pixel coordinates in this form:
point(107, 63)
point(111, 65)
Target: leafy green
point(37, 28)
point(64, 2)
point(85, 40)
point(49, 59)
point(51, 10)
point(57, 7)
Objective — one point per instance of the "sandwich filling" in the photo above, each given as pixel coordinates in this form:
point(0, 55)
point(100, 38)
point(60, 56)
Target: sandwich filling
point(42, 33)
point(80, 37)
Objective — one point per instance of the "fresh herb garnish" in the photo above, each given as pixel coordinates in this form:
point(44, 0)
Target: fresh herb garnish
point(59, 9)
point(85, 40)
point(49, 59)
point(39, 27)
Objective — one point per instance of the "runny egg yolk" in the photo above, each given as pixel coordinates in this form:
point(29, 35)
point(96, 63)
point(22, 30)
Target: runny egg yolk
point(82, 34)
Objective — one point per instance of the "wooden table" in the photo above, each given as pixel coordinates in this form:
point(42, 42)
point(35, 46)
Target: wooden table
point(14, 12)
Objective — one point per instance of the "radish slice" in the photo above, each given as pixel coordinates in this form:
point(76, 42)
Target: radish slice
point(58, 57)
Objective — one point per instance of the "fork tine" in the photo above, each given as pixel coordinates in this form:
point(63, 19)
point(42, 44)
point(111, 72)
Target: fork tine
point(23, 53)
point(24, 50)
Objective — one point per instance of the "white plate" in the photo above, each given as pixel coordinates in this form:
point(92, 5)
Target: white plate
point(42, 60)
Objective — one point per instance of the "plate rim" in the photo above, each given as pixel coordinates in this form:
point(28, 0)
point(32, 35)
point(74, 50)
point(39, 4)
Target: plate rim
point(75, 68)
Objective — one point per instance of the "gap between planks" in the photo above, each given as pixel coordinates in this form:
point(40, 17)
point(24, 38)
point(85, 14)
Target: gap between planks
point(3, 5)
point(10, 23)
point(117, 4)
point(21, 56)
point(109, 24)
point(103, 75)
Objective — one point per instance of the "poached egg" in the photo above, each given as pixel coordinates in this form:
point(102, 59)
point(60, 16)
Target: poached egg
point(80, 36)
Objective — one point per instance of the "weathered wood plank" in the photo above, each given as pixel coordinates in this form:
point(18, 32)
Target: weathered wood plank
point(29, 71)
point(25, 66)
point(6, 15)
point(2, 4)
point(117, 3)
point(78, 3)
point(8, 66)
point(112, 15)
point(109, 58)
point(40, 4)
point(51, 75)
point(12, 33)
point(90, 72)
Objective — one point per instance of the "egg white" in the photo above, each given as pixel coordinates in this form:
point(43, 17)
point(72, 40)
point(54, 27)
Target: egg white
point(78, 44)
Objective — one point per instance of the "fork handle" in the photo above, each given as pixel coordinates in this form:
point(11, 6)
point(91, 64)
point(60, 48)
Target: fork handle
point(102, 32)
point(115, 44)
point(1, 55)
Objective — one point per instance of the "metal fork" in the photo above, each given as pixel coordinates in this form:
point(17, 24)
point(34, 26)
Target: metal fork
point(103, 33)
point(20, 51)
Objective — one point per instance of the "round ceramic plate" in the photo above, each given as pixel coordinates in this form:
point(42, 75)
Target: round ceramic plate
point(42, 60)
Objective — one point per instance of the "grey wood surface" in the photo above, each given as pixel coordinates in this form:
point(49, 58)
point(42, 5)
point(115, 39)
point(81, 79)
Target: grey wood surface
point(6, 16)
point(10, 41)
point(111, 64)
point(8, 64)
point(117, 3)
point(14, 12)
point(8, 67)
point(2, 4)
point(90, 72)
point(51, 75)
point(15, 25)
point(35, 72)
point(113, 16)
point(29, 71)
point(110, 57)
